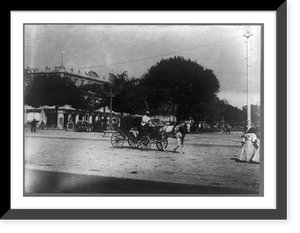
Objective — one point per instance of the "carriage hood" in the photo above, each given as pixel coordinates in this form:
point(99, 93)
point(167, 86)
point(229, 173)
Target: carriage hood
point(128, 122)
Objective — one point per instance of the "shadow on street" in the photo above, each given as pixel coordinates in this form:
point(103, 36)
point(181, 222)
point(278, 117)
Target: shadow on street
point(38, 182)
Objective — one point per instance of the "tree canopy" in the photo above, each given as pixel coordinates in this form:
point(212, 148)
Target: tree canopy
point(181, 83)
point(174, 86)
point(51, 90)
point(91, 97)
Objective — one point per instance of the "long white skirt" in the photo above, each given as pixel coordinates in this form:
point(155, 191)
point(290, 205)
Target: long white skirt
point(247, 152)
point(256, 156)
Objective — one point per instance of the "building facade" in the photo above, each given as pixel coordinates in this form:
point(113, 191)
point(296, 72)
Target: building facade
point(78, 77)
point(67, 116)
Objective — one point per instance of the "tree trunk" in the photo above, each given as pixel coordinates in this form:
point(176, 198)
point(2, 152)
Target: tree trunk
point(56, 115)
point(146, 104)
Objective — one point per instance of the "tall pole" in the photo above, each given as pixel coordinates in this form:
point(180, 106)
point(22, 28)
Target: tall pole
point(247, 34)
point(25, 116)
point(111, 95)
point(62, 58)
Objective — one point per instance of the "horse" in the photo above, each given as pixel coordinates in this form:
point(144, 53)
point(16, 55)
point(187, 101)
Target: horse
point(176, 131)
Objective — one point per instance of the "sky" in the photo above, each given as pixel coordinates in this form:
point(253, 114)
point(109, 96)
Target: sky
point(135, 48)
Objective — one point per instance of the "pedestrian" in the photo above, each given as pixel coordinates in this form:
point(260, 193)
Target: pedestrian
point(33, 125)
point(249, 145)
point(226, 129)
point(180, 134)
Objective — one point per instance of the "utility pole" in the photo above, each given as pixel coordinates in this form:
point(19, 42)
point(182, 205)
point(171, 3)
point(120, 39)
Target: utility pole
point(62, 59)
point(247, 34)
point(111, 95)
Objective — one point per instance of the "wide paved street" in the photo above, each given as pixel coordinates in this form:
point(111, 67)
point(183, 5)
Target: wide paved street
point(59, 162)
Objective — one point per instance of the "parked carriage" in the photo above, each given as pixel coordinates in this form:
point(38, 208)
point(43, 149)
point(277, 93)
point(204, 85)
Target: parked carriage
point(82, 126)
point(129, 129)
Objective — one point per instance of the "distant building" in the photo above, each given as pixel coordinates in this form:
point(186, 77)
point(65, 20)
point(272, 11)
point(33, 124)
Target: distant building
point(78, 77)
point(66, 113)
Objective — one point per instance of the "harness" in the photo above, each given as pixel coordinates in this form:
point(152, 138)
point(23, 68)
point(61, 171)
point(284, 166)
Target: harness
point(175, 129)
point(178, 128)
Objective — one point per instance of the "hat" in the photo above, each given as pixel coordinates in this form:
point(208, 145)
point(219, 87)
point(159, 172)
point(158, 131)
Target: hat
point(147, 112)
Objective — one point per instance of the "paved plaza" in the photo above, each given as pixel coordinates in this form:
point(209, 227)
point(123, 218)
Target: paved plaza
point(67, 163)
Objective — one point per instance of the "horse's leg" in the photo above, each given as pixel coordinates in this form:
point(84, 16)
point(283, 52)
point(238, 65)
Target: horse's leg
point(182, 139)
point(178, 142)
point(175, 148)
point(182, 152)
point(179, 138)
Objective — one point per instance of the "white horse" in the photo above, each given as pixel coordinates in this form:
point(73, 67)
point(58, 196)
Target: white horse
point(176, 131)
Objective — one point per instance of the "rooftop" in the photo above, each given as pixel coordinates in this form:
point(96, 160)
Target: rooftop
point(90, 75)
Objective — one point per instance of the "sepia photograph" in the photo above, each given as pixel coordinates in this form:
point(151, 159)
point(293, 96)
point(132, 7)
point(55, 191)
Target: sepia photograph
point(143, 109)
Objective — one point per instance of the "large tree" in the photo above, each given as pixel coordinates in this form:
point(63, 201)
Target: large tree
point(51, 90)
point(91, 97)
point(180, 83)
point(129, 94)
point(121, 89)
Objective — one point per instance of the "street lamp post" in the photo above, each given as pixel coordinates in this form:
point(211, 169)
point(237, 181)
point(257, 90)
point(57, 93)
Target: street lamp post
point(111, 95)
point(247, 34)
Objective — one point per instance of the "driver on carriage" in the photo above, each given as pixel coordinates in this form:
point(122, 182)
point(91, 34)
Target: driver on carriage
point(146, 123)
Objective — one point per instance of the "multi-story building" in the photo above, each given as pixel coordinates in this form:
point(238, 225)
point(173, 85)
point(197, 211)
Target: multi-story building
point(67, 114)
point(78, 77)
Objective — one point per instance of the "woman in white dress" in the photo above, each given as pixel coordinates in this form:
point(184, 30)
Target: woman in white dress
point(250, 149)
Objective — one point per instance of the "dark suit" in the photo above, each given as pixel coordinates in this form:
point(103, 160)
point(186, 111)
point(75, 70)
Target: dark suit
point(33, 126)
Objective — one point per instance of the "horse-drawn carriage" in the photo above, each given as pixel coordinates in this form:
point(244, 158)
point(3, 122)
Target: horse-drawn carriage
point(129, 129)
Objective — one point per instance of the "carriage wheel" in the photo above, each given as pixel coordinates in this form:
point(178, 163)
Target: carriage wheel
point(117, 139)
point(162, 144)
point(145, 142)
point(132, 142)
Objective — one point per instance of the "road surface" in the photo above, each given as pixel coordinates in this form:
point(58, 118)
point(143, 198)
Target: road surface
point(59, 162)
